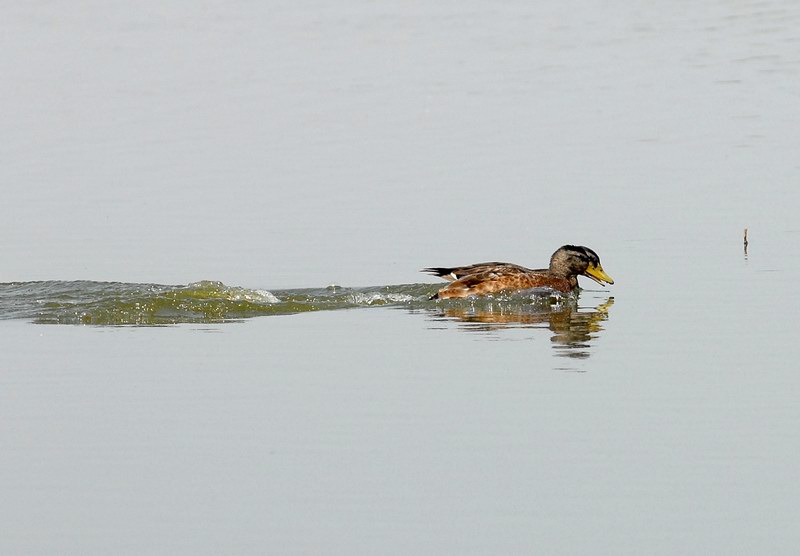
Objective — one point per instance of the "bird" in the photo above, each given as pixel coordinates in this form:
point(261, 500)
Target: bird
point(566, 264)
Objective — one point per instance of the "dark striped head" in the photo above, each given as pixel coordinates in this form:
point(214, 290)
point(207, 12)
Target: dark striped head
point(573, 260)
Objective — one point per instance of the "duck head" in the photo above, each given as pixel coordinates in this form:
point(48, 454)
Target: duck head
point(575, 260)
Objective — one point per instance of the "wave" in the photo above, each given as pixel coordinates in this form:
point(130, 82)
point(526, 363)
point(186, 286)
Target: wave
point(118, 303)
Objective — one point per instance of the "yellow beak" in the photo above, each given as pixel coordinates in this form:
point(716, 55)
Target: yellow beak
point(596, 273)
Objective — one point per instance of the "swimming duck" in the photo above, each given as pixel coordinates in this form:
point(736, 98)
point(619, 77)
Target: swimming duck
point(566, 264)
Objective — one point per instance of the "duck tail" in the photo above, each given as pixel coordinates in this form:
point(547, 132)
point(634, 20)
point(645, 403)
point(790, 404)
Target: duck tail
point(437, 271)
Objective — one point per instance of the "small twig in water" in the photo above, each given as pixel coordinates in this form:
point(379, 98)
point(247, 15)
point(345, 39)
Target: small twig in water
point(745, 241)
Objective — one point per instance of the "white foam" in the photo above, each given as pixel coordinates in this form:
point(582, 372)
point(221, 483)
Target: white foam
point(266, 296)
point(374, 298)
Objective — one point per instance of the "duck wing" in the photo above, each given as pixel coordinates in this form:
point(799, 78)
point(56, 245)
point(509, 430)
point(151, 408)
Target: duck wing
point(484, 270)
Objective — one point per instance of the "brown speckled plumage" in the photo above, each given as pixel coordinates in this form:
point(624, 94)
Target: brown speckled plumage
point(566, 264)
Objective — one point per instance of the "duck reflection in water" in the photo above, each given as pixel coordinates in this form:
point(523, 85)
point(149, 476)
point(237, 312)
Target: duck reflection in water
point(572, 325)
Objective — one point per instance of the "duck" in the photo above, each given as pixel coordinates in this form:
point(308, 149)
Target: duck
point(566, 264)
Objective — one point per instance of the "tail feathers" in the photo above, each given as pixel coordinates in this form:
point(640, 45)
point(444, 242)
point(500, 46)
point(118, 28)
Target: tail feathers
point(437, 271)
point(442, 272)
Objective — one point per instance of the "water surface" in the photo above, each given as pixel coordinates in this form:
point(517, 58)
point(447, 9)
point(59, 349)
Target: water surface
point(181, 183)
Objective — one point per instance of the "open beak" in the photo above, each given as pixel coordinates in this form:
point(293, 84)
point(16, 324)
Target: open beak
point(596, 273)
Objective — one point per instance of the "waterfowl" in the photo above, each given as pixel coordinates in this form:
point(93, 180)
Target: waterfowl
point(566, 264)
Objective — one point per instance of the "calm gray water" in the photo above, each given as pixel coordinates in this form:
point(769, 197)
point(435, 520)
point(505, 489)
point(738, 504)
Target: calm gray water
point(276, 146)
